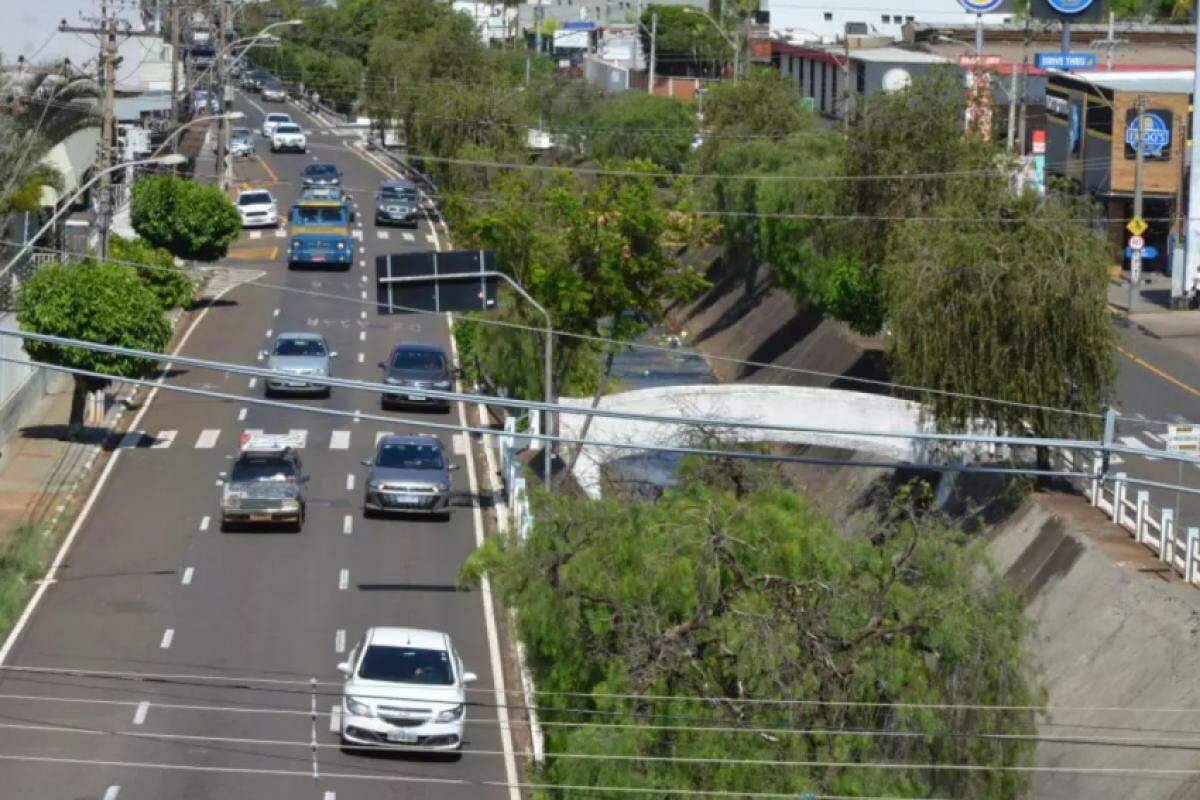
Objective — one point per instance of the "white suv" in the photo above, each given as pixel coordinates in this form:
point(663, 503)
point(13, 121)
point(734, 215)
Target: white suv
point(404, 686)
point(272, 120)
point(288, 136)
point(257, 208)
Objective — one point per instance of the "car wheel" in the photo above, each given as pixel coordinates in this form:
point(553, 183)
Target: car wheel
point(300, 520)
point(225, 526)
point(369, 513)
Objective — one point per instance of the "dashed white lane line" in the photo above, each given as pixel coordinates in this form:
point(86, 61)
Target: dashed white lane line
point(261, 355)
point(298, 433)
point(241, 415)
point(339, 440)
point(168, 637)
point(252, 384)
point(350, 482)
point(343, 580)
point(357, 412)
point(362, 278)
point(362, 336)
point(204, 523)
point(461, 448)
point(139, 716)
point(357, 233)
point(362, 262)
point(275, 313)
point(188, 574)
point(361, 358)
point(335, 724)
point(164, 439)
point(339, 641)
point(330, 795)
point(270, 331)
point(348, 524)
point(280, 233)
point(112, 793)
point(207, 439)
point(364, 294)
point(362, 314)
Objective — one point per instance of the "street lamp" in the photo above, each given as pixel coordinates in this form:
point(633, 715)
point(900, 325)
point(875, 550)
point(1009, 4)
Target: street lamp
point(171, 159)
point(196, 121)
point(737, 50)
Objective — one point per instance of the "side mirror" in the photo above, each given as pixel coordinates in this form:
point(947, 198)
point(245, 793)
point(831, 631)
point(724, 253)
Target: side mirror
point(469, 677)
point(381, 365)
point(451, 467)
point(366, 462)
point(346, 668)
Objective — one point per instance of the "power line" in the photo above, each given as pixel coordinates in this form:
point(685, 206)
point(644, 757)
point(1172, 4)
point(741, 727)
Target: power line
point(634, 344)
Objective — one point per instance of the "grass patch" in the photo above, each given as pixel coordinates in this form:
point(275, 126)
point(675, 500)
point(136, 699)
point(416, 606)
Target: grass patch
point(23, 560)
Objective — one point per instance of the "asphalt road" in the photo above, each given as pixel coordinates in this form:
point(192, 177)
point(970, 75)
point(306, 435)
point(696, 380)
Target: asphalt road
point(151, 585)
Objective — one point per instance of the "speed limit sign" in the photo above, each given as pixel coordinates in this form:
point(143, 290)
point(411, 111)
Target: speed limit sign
point(1136, 243)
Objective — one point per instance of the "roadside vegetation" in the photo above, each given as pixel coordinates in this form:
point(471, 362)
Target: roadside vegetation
point(652, 627)
point(24, 557)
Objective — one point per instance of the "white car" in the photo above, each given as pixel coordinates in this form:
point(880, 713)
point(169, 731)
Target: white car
point(288, 136)
point(404, 686)
point(272, 120)
point(257, 208)
point(274, 94)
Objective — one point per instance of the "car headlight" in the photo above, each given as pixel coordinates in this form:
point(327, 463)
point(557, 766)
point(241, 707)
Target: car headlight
point(233, 499)
point(451, 714)
point(358, 708)
point(443, 487)
point(291, 505)
point(392, 381)
point(374, 486)
point(341, 245)
point(441, 384)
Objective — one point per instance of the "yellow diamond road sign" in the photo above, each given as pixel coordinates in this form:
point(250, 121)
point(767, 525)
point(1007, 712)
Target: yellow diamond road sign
point(1137, 226)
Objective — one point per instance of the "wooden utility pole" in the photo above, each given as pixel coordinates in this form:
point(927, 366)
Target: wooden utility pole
point(653, 51)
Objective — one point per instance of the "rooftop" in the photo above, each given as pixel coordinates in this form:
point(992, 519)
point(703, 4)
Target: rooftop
point(1177, 81)
point(896, 55)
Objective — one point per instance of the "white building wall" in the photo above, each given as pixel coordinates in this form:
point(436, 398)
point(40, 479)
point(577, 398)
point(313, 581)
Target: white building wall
point(801, 21)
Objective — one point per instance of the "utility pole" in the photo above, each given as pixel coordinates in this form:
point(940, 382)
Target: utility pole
point(653, 51)
point(1135, 257)
point(1012, 108)
point(174, 62)
point(221, 78)
point(846, 67)
point(1193, 212)
point(1110, 43)
point(537, 28)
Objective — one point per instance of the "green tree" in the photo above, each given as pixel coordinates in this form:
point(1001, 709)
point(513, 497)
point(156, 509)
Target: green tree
point(686, 41)
point(1013, 307)
point(650, 622)
point(763, 105)
point(190, 220)
point(169, 283)
point(632, 125)
point(102, 303)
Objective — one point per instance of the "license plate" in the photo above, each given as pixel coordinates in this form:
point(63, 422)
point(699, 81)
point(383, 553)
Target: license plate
point(407, 737)
point(416, 397)
point(318, 257)
point(404, 499)
point(260, 517)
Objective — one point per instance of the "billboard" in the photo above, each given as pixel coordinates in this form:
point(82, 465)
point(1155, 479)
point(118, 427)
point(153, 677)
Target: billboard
point(1067, 10)
point(417, 282)
point(1155, 134)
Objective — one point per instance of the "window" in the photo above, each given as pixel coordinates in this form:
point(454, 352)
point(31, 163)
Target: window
point(300, 347)
point(824, 67)
point(410, 456)
point(406, 665)
point(887, 19)
point(860, 79)
point(829, 16)
point(418, 359)
point(910, 20)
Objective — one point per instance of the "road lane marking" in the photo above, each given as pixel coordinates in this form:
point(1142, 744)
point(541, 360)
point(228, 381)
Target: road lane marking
point(339, 440)
point(381, 234)
point(408, 237)
point(253, 383)
point(335, 722)
point(348, 524)
point(204, 523)
point(363, 314)
point(187, 576)
point(168, 637)
point(269, 332)
point(1154, 437)
point(111, 793)
point(343, 580)
point(330, 794)
point(350, 482)
point(255, 234)
point(1133, 441)
point(361, 358)
point(280, 233)
point(207, 439)
point(362, 278)
point(357, 233)
point(362, 262)
point(379, 435)
point(300, 434)
point(429, 237)
point(362, 336)
point(1166, 376)
point(461, 445)
point(364, 294)
point(241, 415)
point(139, 715)
point(275, 313)
point(163, 440)
point(339, 641)
point(357, 418)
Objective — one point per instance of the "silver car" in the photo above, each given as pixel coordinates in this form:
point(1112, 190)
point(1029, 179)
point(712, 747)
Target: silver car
point(297, 356)
point(409, 474)
point(241, 142)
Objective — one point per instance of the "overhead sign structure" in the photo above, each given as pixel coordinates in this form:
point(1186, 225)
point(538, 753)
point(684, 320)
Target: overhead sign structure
point(1137, 226)
point(980, 6)
point(1154, 131)
point(434, 282)
point(1066, 61)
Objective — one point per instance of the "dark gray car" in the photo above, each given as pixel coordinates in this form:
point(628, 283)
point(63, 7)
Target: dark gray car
point(398, 203)
point(414, 366)
point(409, 474)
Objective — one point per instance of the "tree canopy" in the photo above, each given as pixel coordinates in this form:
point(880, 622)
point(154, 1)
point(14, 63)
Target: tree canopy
point(652, 623)
point(157, 269)
point(190, 220)
point(632, 125)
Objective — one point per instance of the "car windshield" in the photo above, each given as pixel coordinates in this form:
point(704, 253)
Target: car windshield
point(397, 193)
point(278, 118)
point(241, 133)
point(406, 665)
point(253, 198)
point(410, 456)
point(299, 347)
point(320, 170)
point(262, 468)
point(418, 359)
point(287, 127)
point(317, 215)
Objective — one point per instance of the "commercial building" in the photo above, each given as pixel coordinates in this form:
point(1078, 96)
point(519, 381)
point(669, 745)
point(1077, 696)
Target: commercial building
point(828, 22)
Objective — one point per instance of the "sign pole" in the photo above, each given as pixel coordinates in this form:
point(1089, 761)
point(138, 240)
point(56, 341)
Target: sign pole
point(1192, 241)
point(1135, 259)
point(1066, 36)
point(978, 34)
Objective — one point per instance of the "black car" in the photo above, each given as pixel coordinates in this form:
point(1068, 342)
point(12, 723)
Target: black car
point(414, 366)
point(398, 203)
point(321, 173)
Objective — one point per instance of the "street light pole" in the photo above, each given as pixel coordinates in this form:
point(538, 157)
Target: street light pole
point(66, 206)
point(232, 115)
point(548, 355)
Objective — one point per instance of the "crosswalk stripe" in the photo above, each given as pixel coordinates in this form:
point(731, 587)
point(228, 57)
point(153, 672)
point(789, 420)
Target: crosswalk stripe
point(1154, 437)
point(303, 434)
point(379, 435)
point(207, 439)
point(381, 234)
point(357, 233)
point(408, 237)
point(460, 445)
point(163, 440)
point(280, 233)
point(255, 234)
point(339, 440)
point(429, 238)
point(1133, 441)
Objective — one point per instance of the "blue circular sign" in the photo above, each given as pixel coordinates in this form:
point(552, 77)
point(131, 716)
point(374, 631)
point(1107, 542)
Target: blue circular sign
point(980, 6)
point(1069, 6)
point(1155, 135)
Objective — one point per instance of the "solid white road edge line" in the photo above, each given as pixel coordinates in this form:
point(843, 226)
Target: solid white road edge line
point(84, 512)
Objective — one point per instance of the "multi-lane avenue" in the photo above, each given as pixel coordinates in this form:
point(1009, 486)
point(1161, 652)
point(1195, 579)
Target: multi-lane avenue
point(150, 585)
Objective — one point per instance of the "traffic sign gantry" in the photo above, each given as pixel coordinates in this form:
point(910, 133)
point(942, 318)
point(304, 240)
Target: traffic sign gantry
point(1137, 226)
point(1136, 243)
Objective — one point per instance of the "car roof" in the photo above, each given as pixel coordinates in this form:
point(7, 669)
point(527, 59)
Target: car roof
point(278, 115)
point(245, 192)
point(398, 183)
point(425, 347)
point(408, 637)
point(312, 202)
point(300, 335)
point(409, 438)
point(320, 165)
